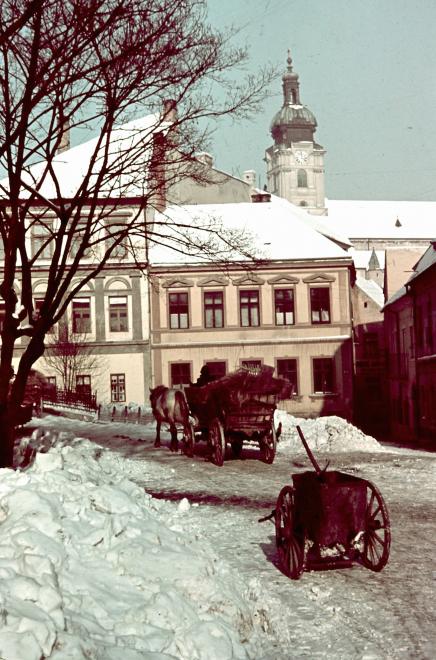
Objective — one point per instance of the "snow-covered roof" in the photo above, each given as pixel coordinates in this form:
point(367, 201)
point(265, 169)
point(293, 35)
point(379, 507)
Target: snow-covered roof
point(372, 289)
point(382, 219)
point(277, 228)
point(427, 260)
point(127, 173)
point(319, 223)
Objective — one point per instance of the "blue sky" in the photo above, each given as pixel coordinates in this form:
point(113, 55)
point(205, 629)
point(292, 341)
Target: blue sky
point(367, 71)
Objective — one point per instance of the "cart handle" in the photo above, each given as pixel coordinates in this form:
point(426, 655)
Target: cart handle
point(318, 470)
point(269, 517)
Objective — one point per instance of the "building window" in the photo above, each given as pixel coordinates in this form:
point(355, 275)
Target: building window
point(302, 179)
point(118, 388)
point(42, 240)
point(77, 240)
point(252, 365)
point(320, 304)
point(38, 304)
point(51, 380)
point(323, 375)
point(81, 315)
point(249, 308)
point(83, 384)
point(303, 203)
point(179, 311)
point(213, 309)
point(116, 231)
point(287, 368)
point(118, 318)
point(284, 306)
point(216, 369)
point(180, 374)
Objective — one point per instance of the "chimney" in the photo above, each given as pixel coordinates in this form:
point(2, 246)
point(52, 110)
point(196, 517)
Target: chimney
point(260, 196)
point(169, 110)
point(157, 171)
point(205, 158)
point(249, 176)
point(64, 143)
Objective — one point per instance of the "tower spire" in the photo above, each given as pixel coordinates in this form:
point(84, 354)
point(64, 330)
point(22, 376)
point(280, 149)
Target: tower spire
point(295, 162)
point(291, 91)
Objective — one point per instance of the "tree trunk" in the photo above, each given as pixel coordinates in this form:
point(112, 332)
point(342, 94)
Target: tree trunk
point(7, 438)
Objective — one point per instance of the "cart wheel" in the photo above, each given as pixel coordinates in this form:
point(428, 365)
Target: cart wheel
point(269, 445)
point(377, 533)
point(217, 441)
point(289, 540)
point(237, 448)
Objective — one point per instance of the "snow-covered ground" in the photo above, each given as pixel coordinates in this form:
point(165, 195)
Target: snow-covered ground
point(93, 566)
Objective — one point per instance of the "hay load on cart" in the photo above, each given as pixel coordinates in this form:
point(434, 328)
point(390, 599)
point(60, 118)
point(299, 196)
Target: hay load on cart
point(237, 409)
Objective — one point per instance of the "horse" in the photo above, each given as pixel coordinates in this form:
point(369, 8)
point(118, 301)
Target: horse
point(170, 406)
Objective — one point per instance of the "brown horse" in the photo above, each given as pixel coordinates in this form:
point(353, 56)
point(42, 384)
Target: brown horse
point(170, 406)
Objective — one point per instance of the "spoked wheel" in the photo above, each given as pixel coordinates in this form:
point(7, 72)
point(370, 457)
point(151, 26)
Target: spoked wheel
point(289, 540)
point(217, 441)
point(377, 532)
point(269, 445)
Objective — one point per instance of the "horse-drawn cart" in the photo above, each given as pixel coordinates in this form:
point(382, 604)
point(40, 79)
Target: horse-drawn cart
point(330, 519)
point(237, 409)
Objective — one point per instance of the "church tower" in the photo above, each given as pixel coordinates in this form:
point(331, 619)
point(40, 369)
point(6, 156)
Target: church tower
point(295, 162)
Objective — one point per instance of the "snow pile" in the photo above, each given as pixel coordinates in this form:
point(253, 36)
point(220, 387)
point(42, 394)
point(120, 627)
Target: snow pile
point(323, 434)
point(92, 566)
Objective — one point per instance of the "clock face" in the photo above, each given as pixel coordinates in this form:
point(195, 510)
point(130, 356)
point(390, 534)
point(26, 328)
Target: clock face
point(301, 157)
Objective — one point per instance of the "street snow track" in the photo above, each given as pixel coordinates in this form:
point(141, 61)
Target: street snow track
point(338, 614)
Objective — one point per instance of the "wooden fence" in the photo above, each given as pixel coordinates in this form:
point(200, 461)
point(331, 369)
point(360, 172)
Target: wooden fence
point(111, 413)
point(82, 400)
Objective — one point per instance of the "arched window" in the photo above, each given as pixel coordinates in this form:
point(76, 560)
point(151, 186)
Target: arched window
point(302, 179)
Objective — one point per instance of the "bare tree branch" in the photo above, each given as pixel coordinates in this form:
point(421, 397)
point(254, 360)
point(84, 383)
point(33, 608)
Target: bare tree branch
point(105, 67)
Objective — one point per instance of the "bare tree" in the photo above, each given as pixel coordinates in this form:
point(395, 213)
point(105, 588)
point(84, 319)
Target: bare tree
point(71, 355)
point(94, 65)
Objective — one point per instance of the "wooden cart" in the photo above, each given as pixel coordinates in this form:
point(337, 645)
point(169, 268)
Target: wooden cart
point(237, 409)
point(330, 520)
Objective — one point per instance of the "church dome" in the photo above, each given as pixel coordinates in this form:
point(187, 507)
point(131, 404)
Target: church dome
point(294, 122)
point(293, 115)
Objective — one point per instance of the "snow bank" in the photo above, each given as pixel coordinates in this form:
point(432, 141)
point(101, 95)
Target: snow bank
point(323, 434)
point(93, 566)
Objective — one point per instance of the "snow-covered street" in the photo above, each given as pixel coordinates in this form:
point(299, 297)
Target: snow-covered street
point(126, 575)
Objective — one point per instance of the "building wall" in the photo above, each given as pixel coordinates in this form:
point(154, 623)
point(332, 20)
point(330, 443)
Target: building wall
point(370, 391)
point(124, 353)
point(423, 296)
point(399, 263)
point(401, 370)
point(267, 342)
point(210, 186)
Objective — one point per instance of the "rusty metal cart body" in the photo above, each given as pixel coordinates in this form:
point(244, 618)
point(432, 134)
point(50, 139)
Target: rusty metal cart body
point(329, 520)
point(237, 409)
